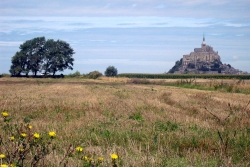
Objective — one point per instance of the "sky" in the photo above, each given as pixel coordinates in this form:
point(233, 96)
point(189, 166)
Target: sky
point(135, 36)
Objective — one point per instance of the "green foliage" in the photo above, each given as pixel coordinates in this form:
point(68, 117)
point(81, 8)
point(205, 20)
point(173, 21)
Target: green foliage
point(168, 126)
point(21, 146)
point(137, 116)
point(176, 66)
point(57, 56)
point(4, 75)
point(204, 68)
point(191, 65)
point(94, 74)
point(111, 71)
point(75, 74)
point(40, 55)
point(184, 76)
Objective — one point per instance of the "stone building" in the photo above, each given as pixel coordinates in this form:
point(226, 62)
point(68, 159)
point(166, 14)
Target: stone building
point(203, 54)
point(203, 60)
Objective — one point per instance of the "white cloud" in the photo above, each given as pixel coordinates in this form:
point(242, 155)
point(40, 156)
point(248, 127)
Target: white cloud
point(174, 8)
point(198, 2)
point(134, 5)
point(10, 43)
point(235, 57)
point(30, 25)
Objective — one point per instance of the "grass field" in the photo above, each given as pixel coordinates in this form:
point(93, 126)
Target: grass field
point(148, 124)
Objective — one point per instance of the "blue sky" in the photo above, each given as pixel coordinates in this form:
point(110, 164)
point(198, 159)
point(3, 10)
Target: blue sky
point(135, 36)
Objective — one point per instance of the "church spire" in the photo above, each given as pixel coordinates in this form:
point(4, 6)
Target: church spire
point(203, 42)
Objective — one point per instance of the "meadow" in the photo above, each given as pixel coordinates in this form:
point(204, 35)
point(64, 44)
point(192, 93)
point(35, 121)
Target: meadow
point(147, 123)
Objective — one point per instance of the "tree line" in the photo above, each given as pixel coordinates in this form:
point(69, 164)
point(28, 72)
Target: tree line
point(184, 76)
point(41, 55)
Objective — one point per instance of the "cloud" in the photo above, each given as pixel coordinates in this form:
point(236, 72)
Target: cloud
point(235, 57)
point(198, 2)
point(10, 43)
point(30, 25)
point(134, 5)
point(173, 8)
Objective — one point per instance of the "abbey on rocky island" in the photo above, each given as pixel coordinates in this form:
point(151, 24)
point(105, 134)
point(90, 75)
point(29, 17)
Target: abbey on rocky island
point(203, 60)
point(203, 54)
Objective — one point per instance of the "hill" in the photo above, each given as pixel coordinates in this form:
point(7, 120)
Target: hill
point(203, 60)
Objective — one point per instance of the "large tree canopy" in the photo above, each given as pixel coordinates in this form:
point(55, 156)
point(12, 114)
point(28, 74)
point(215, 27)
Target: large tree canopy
point(44, 56)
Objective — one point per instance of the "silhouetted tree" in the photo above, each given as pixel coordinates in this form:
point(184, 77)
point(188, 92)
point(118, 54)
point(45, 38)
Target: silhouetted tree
point(57, 57)
point(111, 71)
point(40, 55)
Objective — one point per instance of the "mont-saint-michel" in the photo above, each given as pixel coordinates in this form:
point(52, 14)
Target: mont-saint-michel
point(203, 60)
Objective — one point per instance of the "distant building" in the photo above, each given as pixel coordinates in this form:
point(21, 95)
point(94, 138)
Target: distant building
point(203, 60)
point(203, 54)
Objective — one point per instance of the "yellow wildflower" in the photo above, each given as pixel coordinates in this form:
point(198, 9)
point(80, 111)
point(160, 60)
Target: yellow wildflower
point(12, 138)
point(21, 149)
point(29, 126)
point(85, 158)
point(36, 135)
point(79, 149)
point(114, 156)
point(2, 156)
point(100, 159)
point(5, 114)
point(3, 165)
point(52, 134)
point(23, 135)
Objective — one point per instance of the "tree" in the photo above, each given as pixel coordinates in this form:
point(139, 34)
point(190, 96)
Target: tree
point(40, 55)
point(58, 56)
point(176, 67)
point(33, 50)
point(19, 64)
point(111, 71)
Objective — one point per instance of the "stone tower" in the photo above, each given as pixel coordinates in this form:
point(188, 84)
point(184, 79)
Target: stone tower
point(203, 45)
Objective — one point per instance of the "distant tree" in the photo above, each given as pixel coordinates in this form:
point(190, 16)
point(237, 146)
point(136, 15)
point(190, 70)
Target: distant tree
point(204, 68)
point(111, 71)
point(75, 74)
point(40, 55)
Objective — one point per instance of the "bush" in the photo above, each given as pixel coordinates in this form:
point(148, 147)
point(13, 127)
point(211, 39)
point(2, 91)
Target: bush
point(111, 71)
point(191, 65)
point(4, 75)
point(75, 74)
point(94, 74)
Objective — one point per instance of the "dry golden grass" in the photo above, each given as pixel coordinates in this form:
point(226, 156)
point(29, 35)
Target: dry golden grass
point(110, 115)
